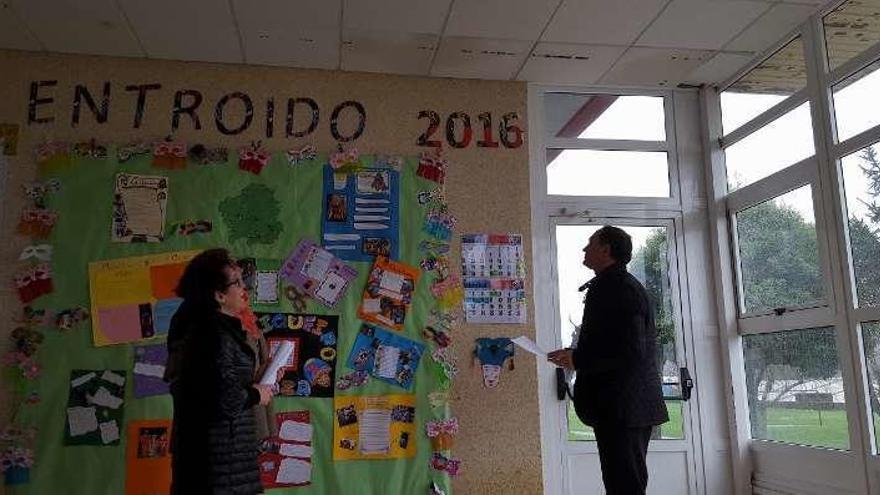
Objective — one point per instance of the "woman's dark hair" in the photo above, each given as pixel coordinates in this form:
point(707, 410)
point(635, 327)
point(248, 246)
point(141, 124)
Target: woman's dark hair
point(204, 275)
point(619, 242)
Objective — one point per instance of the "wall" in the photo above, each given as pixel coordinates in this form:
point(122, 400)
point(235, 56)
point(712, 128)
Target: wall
point(487, 188)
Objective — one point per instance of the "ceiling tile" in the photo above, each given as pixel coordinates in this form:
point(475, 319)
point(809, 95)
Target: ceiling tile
point(13, 33)
point(94, 27)
point(411, 16)
point(476, 58)
point(719, 68)
point(275, 15)
point(185, 29)
point(561, 63)
point(770, 27)
point(307, 48)
point(388, 52)
point(701, 24)
point(602, 22)
point(666, 67)
point(499, 19)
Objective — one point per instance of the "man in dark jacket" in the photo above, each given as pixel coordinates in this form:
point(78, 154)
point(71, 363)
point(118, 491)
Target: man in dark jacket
point(618, 389)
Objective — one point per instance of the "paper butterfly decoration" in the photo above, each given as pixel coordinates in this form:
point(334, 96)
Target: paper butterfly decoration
point(52, 152)
point(345, 161)
point(442, 463)
point(42, 252)
point(131, 150)
point(441, 433)
point(38, 191)
point(90, 149)
point(203, 155)
point(253, 158)
point(37, 222)
point(304, 154)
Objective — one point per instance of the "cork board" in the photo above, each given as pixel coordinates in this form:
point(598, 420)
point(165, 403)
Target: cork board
point(487, 189)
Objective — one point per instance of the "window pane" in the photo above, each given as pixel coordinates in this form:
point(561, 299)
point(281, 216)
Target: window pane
point(854, 102)
point(795, 389)
point(607, 173)
point(871, 340)
point(861, 181)
point(850, 29)
point(783, 74)
point(778, 254)
point(783, 142)
point(650, 265)
point(605, 116)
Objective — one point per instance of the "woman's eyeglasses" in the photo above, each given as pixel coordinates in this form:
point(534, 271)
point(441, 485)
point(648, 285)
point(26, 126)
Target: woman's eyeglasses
point(236, 283)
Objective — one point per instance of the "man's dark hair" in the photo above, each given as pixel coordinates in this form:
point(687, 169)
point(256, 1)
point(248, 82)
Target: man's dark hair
point(619, 242)
point(204, 275)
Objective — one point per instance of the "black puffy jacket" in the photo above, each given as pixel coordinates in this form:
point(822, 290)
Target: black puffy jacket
point(211, 371)
point(618, 383)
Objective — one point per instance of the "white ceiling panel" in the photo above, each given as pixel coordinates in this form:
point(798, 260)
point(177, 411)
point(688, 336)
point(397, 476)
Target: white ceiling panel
point(388, 52)
point(13, 33)
point(719, 68)
point(410, 16)
point(568, 63)
point(701, 24)
point(276, 15)
point(500, 19)
point(654, 66)
point(79, 26)
point(601, 22)
point(308, 48)
point(185, 29)
point(479, 58)
point(772, 26)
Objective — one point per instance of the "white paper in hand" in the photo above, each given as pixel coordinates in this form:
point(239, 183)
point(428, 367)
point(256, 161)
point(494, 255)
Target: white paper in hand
point(529, 345)
point(282, 354)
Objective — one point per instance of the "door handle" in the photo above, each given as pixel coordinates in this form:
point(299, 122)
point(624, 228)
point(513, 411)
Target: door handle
point(561, 385)
point(687, 383)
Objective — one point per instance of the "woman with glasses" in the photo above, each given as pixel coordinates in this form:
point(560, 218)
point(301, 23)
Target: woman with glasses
point(211, 371)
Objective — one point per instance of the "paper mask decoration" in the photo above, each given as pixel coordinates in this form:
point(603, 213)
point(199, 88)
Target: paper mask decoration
point(203, 155)
point(318, 273)
point(41, 252)
point(374, 427)
point(361, 214)
point(38, 192)
point(492, 353)
point(36, 223)
point(253, 158)
point(148, 457)
point(388, 293)
point(432, 167)
point(193, 227)
point(34, 282)
point(131, 150)
point(170, 155)
point(69, 318)
point(252, 215)
point(310, 370)
point(133, 298)
point(94, 407)
point(139, 206)
point(148, 370)
point(288, 461)
point(389, 357)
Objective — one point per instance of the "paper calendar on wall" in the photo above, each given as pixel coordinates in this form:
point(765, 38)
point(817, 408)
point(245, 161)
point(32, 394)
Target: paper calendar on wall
point(493, 268)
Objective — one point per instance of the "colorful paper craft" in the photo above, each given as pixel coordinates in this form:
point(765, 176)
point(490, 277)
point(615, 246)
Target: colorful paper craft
point(387, 356)
point(388, 293)
point(139, 206)
point(252, 215)
point(318, 273)
point(133, 298)
point(148, 457)
point(310, 370)
point(368, 427)
point(492, 354)
point(288, 461)
point(148, 370)
point(94, 407)
point(361, 214)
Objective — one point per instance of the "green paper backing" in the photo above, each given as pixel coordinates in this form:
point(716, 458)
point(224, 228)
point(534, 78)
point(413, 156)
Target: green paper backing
point(82, 235)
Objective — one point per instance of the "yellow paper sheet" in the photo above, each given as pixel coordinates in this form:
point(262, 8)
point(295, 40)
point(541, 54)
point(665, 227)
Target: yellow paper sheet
point(348, 439)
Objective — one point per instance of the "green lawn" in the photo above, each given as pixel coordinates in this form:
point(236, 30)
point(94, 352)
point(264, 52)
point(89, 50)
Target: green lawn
point(800, 426)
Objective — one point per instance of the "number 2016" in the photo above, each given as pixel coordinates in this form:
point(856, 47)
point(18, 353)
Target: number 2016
point(509, 133)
